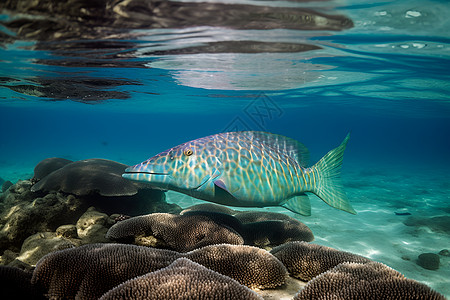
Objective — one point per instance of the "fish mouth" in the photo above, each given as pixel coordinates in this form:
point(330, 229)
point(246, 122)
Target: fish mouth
point(157, 179)
point(140, 172)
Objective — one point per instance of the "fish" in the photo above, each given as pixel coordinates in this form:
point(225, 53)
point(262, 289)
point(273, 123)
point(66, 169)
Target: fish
point(247, 169)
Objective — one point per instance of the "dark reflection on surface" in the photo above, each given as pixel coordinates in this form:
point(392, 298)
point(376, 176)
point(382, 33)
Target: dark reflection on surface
point(238, 47)
point(86, 90)
point(60, 20)
point(114, 33)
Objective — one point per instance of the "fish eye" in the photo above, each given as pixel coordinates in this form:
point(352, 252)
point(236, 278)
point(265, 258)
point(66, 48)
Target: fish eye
point(188, 152)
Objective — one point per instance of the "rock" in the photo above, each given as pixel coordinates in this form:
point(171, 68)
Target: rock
point(24, 214)
point(16, 263)
point(21, 191)
point(428, 261)
point(7, 257)
point(40, 244)
point(6, 185)
point(67, 231)
point(440, 224)
point(92, 226)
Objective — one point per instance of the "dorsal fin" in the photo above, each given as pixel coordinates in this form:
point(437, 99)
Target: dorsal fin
point(281, 143)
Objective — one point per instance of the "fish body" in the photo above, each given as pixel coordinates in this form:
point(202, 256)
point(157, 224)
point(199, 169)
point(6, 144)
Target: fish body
point(248, 169)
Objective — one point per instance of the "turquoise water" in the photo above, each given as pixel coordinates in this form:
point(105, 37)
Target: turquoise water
point(129, 81)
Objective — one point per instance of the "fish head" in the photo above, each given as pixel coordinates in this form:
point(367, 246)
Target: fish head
point(182, 168)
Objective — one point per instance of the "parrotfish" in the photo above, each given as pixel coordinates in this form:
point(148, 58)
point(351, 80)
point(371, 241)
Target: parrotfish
point(247, 169)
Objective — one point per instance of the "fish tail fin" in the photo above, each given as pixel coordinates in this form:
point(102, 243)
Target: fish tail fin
point(327, 186)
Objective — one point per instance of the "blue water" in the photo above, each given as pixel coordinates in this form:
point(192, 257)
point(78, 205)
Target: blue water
point(138, 90)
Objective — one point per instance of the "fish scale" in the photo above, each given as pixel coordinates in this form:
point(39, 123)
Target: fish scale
point(248, 169)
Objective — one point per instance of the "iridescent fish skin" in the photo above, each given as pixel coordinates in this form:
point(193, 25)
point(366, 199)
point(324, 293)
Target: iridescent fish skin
point(249, 169)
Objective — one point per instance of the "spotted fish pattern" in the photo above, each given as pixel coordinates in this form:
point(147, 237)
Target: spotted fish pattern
point(248, 169)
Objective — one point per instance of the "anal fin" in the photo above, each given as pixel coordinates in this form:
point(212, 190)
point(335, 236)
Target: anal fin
point(299, 204)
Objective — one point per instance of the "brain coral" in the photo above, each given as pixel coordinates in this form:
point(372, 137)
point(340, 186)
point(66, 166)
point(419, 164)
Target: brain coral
point(183, 279)
point(258, 216)
point(210, 207)
point(371, 281)
point(86, 272)
point(305, 261)
point(276, 232)
point(181, 233)
point(251, 266)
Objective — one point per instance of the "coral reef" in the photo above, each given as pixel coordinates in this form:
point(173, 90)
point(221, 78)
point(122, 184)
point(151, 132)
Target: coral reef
point(306, 261)
point(47, 166)
point(258, 216)
point(92, 227)
point(273, 233)
point(181, 233)
point(88, 271)
point(302, 232)
point(6, 185)
point(251, 266)
point(261, 229)
point(67, 239)
point(87, 176)
point(25, 213)
point(183, 279)
point(99, 183)
point(39, 244)
point(211, 207)
point(369, 281)
point(27, 207)
point(197, 228)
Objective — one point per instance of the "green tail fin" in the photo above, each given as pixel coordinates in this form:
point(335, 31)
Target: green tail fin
point(327, 179)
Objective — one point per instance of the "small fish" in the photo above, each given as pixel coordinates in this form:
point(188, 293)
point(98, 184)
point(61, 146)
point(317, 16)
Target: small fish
point(248, 169)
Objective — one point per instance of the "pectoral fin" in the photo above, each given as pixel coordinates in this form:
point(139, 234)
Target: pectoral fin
point(223, 192)
point(205, 180)
point(220, 184)
point(299, 204)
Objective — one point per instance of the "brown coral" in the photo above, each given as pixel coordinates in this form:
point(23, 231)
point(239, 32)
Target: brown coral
point(371, 281)
point(305, 261)
point(258, 216)
point(99, 182)
point(181, 233)
point(89, 176)
point(89, 271)
point(251, 266)
point(210, 207)
point(183, 279)
point(49, 165)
